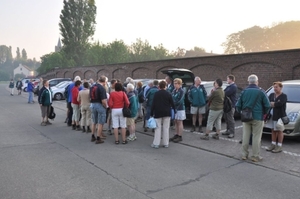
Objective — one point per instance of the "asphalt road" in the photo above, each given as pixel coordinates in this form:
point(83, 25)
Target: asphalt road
point(57, 162)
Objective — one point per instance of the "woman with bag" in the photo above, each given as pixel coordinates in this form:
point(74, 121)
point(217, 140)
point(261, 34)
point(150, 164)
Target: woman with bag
point(117, 101)
point(278, 103)
point(160, 110)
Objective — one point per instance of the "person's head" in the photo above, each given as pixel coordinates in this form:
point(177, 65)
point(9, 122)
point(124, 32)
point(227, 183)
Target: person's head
point(77, 78)
point(118, 87)
point(218, 83)
point(86, 85)
point(128, 79)
point(162, 85)
point(45, 83)
point(197, 81)
point(139, 84)
point(230, 79)
point(19, 79)
point(253, 79)
point(168, 79)
point(150, 83)
point(112, 83)
point(102, 79)
point(177, 83)
point(277, 87)
point(155, 83)
point(91, 81)
point(11, 79)
point(77, 83)
point(129, 87)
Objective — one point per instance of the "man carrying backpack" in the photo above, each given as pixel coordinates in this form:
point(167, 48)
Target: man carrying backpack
point(230, 92)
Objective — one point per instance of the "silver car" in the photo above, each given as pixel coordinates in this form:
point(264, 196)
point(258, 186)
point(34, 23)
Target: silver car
point(59, 89)
point(292, 90)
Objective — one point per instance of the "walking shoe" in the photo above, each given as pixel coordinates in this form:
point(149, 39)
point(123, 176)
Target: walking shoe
point(166, 146)
point(204, 137)
point(78, 128)
point(43, 124)
point(48, 123)
point(83, 129)
point(74, 127)
point(145, 129)
point(99, 141)
point(88, 130)
point(154, 146)
point(271, 148)
point(256, 159)
point(93, 138)
point(193, 129)
point(200, 129)
point(244, 157)
point(178, 139)
point(215, 136)
point(277, 149)
point(174, 137)
point(133, 138)
point(226, 133)
point(241, 141)
point(231, 136)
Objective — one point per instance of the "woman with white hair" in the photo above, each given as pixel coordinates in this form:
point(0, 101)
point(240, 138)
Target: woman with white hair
point(133, 106)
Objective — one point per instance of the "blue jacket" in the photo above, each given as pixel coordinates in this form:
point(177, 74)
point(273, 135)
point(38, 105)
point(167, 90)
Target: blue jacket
point(178, 98)
point(30, 87)
point(197, 96)
point(230, 91)
point(248, 98)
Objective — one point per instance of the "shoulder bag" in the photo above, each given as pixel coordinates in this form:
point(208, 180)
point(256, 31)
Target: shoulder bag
point(246, 113)
point(126, 111)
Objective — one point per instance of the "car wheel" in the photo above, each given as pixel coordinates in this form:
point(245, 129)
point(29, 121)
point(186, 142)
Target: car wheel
point(58, 96)
point(25, 89)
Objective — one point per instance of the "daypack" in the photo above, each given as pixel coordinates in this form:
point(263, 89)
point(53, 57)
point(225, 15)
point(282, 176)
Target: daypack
point(51, 113)
point(94, 93)
point(66, 92)
point(227, 105)
point(141, 97)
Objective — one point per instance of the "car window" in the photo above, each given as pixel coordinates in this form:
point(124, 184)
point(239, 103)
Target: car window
point(292, 92)
point(60, 84)
point(53, 83)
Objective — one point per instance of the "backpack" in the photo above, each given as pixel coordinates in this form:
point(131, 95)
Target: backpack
point(94, 93)
point(51, 113)
point(140, 95)
point(227, 105)
point(66, 92)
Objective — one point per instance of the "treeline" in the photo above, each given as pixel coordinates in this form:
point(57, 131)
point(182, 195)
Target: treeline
point(8, 63)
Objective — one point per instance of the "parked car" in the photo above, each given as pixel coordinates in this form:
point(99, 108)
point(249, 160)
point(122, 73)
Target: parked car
point(292, 90)
point(25, 83)
point(188, 77)
point(55, 81)
point(59, 89)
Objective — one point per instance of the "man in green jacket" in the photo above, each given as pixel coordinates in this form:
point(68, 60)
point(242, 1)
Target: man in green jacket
point(255, 99)
point(197, 97)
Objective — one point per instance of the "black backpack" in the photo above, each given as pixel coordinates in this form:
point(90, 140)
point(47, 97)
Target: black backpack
point(227, 105)
point(51, 113)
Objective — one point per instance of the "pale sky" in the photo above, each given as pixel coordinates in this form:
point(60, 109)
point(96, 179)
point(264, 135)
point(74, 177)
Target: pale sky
point(33, 24)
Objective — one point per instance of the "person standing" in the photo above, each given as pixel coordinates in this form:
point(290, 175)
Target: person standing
point(30, 88)
point(255, 99)
point(45, 101)
point(76, 106)
point(84, 99)
point(160, 110)
point(69, 93)
point(278, 103)
point(170, 85)
point(149, 99)
point(11, 86)
point(139, 90)
point(230, 92)
point(133, 106)
point(178, 98)
point(40, 86)
point(215, 100)
point(19, 86)
point(197, 97)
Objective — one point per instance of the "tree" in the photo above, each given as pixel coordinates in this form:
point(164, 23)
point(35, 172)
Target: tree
point(4, 76)
point(18, 54)
point(77, 26)
point(196, 51)
point(5, 54)
point(17, 76)
point(24, 54)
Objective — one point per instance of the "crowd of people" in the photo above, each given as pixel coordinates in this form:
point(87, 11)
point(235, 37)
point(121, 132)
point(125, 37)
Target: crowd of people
point(91, 104)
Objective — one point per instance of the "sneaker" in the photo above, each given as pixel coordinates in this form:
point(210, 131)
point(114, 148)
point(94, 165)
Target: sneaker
point(271, 148)
point(99, 141)
point(277, 149)
point(154, 146)
point(83, 130)
point(200, 129)
point(193, 129)
point(88, 130)
point(215, 136)
point(226, 133)
point(78, 128)
point(166, 146)
point(93, 138)
point(133, 138)
point(244, 157)
point(74, 127)
point(129, 138)
point(43, 124)
point(174, 137)
point(48, 123)
point(231, 136)
point(256, 159)
point(204, 137)
point(178, 139)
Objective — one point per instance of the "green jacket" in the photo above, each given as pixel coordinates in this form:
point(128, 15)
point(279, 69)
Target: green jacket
point(197, 96)
point(216, 100)
point(46, 97)
point(133, 106)
point(248, 98)
point(150, 95)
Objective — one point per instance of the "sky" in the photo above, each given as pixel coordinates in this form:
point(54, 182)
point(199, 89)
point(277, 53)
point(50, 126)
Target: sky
point(33, 24)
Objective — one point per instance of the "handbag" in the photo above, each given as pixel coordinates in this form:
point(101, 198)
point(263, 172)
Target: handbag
point(126, 111)
point(151, 123)
point(246, 113)
point(285, 120)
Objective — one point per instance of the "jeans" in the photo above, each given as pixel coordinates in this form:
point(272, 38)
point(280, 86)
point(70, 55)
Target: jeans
point(30, 97)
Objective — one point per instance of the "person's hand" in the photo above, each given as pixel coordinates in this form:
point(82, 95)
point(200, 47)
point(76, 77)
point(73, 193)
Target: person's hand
point(272, 104)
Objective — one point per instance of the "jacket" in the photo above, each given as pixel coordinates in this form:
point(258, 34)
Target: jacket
point(170, 87)
point(75, 92)
point(133, 103)
point(278, 111)
point(197, 96)
point(230, 91)
point(11, 84)
point(70, 87)
point(150, 95)
point(178, 98)
point(162, 104)
point(45, 96)
point(247, 99)
point(30, 87)
point(216, 100)
point(117, 99)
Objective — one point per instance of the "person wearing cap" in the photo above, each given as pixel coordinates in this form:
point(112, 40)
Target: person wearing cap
point(71, 86)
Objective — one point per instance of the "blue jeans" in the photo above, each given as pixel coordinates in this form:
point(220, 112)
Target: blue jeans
point(98, 113)
point(30, 97)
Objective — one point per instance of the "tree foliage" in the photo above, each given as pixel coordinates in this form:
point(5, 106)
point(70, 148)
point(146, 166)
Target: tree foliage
point(77, 26)
point(279, 36)
point(24, 54)
point(18, 53)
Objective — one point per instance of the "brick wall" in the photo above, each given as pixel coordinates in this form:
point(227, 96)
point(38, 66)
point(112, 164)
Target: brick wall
point(268, 66)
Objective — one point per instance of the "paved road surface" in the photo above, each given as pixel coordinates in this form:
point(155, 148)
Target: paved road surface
point(56, 162)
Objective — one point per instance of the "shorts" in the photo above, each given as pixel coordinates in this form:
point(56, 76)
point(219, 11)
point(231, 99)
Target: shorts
point(45, 111)
point(273, 123)
point(98, 113)
point(130, 121)
point(180, 115)
point(118, 120)
point(199, 110)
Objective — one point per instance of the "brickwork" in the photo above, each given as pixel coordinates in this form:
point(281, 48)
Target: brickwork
point(268, 66)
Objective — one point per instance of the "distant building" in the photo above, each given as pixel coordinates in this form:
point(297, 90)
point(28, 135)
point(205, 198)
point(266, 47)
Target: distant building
point(58, 47)
point(25, 70)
